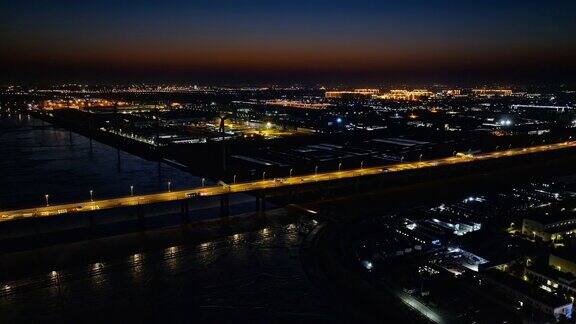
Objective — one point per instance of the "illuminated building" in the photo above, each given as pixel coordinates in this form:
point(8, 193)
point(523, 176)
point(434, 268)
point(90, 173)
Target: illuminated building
point(405, 95)
point(296, 104)
point(557, 109)
point(520, 292)
point(565, 262)
point(492, 92)
point(550, 227)
point(357, 93)
point(551, 279)
point(451, 92)
point(79, 104)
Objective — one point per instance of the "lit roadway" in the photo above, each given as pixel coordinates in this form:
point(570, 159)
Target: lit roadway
point(52, 210)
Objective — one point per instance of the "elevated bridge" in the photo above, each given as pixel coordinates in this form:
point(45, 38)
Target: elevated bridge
point(224, 190)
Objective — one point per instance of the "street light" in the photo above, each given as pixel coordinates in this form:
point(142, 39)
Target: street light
point(234, 181)
point(169, 186)
point(91, 195)
point(315, 170)
point(263, 175)
point(291, 172)
point(361, 164)
point(401, 159)
point(420, 157)
point(131, 190)
point(203, 182)
point(339, 166)
point(47, 200)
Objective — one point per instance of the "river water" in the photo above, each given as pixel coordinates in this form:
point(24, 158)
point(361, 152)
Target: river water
point(250, 277)
point(253, 276)
point(39, 159)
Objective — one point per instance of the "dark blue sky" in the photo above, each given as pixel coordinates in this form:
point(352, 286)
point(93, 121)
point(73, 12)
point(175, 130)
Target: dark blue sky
point(206, 39)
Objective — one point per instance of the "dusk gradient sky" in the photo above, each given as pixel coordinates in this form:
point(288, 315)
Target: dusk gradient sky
point(234, 40)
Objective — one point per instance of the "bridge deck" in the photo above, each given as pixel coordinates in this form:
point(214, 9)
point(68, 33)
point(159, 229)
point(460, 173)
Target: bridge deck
point(53, 210)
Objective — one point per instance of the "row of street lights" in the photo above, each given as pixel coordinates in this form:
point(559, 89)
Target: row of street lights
point(169, 183)
point(47, 196)
point(291, 172)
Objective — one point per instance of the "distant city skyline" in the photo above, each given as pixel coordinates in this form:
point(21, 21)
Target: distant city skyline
point(293, 41)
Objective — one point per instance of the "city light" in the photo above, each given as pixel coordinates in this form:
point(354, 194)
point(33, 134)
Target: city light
point(243, 161)
point(505, 122)
point(367, 265)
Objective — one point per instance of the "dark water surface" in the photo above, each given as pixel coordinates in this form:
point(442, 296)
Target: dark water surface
point(250, 277)
point(37, 158)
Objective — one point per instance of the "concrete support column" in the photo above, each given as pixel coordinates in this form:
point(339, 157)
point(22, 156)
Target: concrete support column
point(263, 203)
point(36, 226)
point(91, 220)
point(140, 215)
point(381, 181)
point(184, 211)
point(294, 195)
point(324, 193)
point(258, 203)
point(225, 205)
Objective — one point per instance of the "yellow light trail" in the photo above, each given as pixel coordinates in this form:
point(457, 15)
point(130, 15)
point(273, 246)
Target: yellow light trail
point(79, 207)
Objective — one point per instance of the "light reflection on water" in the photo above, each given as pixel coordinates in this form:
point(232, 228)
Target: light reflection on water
point(170, 258)
point(239, 273)
point(236, 238)
point(98, 275)
point(137, 261)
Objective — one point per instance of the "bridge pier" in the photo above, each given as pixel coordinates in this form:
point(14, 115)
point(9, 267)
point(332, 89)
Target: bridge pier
point(257, 206)
point(225, 205)
point(36, 226)
point(140, 215)
point(184, 211)
point(260, 203)
point(384, 180)
point(294, 195)
point(324, 193)
point(91, 220)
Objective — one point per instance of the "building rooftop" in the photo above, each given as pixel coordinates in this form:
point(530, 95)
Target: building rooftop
point(497, 248)
point(552, 273)
point(552, 214)
point(567, 254)
point(525, 288)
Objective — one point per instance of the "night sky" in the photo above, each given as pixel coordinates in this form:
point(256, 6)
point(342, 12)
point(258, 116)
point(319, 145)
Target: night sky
point(296, 40)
